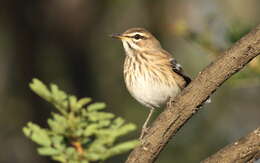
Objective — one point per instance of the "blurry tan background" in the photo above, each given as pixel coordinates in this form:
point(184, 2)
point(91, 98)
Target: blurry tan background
point(66, 42)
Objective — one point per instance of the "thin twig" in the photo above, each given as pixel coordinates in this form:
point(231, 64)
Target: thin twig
point(246, 149)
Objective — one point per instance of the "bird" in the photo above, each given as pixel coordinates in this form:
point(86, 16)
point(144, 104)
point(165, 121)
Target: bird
point(151, 74)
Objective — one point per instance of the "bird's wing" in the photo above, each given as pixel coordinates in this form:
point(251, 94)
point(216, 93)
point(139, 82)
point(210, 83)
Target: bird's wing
point(177, 68)
point(183, 80)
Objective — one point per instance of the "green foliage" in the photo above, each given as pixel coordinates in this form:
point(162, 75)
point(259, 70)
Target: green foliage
point(237, 30)
point(79, 131)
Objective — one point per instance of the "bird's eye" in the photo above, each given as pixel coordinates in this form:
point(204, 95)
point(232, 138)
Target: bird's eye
point(137, 37)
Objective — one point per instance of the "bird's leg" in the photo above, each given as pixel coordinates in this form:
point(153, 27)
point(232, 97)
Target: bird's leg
point(169, 103)
point(145, 128)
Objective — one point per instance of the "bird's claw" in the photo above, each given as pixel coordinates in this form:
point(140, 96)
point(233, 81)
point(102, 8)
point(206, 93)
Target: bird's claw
point(143, 133)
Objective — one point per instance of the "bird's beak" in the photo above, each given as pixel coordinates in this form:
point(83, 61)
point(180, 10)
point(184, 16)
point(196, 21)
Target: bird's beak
point(117, 36)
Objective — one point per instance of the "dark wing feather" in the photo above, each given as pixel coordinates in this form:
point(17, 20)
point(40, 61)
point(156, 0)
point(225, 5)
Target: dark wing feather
point(176, 67)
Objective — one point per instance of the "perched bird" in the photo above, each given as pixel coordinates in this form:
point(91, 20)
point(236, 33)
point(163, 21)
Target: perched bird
point(151, 74)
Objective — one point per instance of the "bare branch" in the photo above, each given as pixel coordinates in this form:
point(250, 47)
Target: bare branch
point(244, 150)
point(186, 104)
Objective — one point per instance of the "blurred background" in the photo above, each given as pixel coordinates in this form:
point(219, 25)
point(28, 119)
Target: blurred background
point(67, 43)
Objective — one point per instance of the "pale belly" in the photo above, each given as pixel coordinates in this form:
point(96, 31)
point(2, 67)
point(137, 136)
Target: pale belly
point(151, 93)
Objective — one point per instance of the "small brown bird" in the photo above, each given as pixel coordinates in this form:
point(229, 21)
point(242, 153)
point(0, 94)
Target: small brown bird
point(151, 74)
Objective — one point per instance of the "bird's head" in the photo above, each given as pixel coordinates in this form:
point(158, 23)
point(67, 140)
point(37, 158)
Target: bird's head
point(137, 39)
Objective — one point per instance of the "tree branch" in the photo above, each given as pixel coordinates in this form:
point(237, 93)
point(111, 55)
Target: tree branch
point(246, 149)
point(186, 103)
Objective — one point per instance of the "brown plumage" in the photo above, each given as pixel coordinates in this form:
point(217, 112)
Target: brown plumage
point(151, 74)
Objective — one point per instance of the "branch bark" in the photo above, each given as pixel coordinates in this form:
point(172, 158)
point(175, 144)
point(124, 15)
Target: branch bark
point(188, 101)
point(246, 149)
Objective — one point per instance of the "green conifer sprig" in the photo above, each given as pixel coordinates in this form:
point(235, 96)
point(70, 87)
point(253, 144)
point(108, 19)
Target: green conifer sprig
point(79, 132)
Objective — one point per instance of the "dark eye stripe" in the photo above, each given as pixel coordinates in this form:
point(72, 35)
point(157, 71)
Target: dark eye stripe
point(138, 36)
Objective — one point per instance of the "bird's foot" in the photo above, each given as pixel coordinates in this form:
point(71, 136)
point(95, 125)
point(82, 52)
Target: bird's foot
point(169, 103)
point(143, 133)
